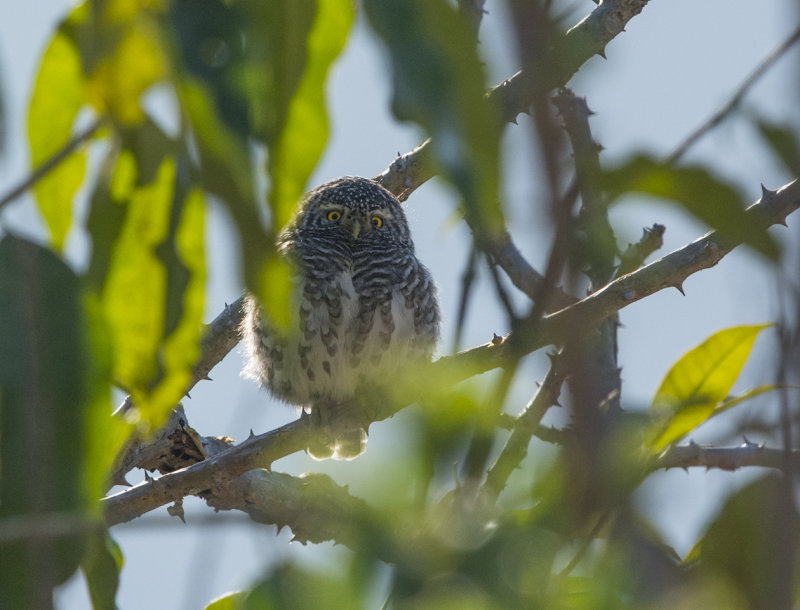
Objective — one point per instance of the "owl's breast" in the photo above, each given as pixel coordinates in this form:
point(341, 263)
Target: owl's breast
point(341, 338)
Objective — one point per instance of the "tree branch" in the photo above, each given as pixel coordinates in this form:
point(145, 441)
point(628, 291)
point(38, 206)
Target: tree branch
point(514, 95)
point(260, 451)
point(728, 458)
point(47, 166)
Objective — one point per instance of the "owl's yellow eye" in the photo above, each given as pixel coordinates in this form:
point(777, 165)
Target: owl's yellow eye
point(334, 215)
point(376, 221)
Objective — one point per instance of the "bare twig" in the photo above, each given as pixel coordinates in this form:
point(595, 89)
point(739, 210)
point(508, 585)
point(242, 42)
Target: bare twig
point(736, 99)
point(506, 255)
point(635, 254)
point(47, 166)
point(727, 458)
point(526, 425)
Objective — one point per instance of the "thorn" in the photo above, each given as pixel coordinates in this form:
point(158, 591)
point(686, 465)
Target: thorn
point(497, 339)
point(188, 396)
point(693, 444)
point(514, 120)
point(685, 469)
point(206, 378)
point(679, 288)
point(147, 477)
point(602, 53)
point(556, 403)
point(782, 221)
point(766, 193)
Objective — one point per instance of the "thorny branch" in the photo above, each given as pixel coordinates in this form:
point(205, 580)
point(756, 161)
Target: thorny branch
point(260, 451)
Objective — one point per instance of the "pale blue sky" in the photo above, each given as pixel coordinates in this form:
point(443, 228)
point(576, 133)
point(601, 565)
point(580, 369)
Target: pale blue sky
point(676, 64)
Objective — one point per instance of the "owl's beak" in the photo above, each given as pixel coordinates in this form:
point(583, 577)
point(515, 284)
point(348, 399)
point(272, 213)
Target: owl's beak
point(356, 228)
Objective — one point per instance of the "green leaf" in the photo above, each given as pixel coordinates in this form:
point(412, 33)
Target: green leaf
point(231, 601)
point(711, 200)
point(439, 83)
point(698, 382)
point(153, 296)
point(46, 377)
point(291, 587)
point(783, 140)
point(753, 543)
point(301, 139)
point(58, 95)
point(121, 76)
point(102, 565)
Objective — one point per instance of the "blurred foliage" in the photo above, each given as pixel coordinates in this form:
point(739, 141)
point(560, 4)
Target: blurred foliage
point(247, 80)
point(709, 198)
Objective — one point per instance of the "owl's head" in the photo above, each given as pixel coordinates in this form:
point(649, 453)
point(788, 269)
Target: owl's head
point(354, 209)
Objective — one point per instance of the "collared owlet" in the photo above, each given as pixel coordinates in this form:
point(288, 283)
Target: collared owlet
point(363, 308)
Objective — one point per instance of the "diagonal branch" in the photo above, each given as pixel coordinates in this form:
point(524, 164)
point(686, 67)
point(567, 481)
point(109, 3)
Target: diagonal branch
point(514, 95)
point(50, 164)
point(735, 99)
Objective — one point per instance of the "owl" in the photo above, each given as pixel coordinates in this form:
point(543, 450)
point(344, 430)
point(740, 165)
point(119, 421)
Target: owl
point(363, 309)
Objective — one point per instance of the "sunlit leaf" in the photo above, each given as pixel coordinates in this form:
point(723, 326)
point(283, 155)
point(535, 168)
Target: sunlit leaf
point(230, 601)
point(277, 52)
point(102, 565)
point(302, 138)
point(709, 198)
point(699, 382)
point(181, 347)
point(732, 401)
point(438, 82)
point(753, 543)
point(105, 435)
point(135, 291)
point(119, 80)
point(46, 381)
point(58, 95)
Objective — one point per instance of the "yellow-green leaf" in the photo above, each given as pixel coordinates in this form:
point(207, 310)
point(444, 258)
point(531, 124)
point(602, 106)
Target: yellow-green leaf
point(101, 565)
point(230, 601)
point(135, 291)
point(182, 346)
point(119, 80)
point(58, 95)
point(305, 133)
point(698, 382)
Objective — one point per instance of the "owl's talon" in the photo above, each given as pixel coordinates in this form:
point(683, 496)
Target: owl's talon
point(351, 444)
point(320, 450)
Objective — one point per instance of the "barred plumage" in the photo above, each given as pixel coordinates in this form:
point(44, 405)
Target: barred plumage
point(365, 306)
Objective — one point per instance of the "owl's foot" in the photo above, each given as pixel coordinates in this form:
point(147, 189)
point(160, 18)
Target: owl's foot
point(350, 444)
point(336, 434)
